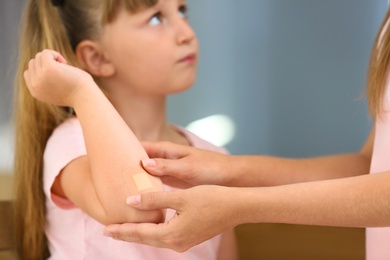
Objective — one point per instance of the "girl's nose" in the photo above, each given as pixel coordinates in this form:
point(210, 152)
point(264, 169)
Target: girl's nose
point(184, 32)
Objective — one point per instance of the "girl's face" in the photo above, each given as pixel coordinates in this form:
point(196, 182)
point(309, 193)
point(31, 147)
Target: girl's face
point(154, 51)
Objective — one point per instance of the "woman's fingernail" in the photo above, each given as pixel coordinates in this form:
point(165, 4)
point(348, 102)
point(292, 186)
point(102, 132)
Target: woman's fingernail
point(149, 163)
point(133, 200)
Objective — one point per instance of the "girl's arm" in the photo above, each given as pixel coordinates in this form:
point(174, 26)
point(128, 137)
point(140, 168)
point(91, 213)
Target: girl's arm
point(99, 182)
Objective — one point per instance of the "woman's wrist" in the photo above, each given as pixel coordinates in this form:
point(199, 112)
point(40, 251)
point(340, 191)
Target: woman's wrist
point(235, 172)
point(239, 205)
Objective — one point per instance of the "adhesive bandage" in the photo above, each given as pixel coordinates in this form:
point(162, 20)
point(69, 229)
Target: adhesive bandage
point(142, 181)
point(137, 182)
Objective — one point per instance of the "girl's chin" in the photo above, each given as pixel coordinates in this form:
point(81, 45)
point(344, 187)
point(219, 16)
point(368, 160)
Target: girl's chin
point(181, 89)
point(184, 84)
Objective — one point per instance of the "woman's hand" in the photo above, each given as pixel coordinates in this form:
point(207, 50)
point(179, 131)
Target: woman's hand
point(192, 165)
point(51, 80)
point(202, 212)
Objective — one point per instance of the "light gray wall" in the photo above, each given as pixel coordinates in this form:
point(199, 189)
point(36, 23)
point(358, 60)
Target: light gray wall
point(10, 13)
point(291, 73)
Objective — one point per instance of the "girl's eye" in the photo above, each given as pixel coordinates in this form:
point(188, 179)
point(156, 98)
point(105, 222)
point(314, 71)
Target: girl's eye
point(155, 20)
point(183, 11)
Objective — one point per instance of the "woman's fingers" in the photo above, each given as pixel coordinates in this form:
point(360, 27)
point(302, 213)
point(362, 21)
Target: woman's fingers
point(156, 200)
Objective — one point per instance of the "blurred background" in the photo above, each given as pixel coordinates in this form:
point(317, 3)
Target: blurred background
point(289, 74)
point(278, 77)
point(10, 14)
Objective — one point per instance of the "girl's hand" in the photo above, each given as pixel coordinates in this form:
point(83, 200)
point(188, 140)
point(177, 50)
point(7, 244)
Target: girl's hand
point(51, 80)
point(202, 212)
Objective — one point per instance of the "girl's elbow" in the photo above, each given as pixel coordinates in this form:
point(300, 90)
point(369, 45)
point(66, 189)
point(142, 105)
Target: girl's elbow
point(132, 215)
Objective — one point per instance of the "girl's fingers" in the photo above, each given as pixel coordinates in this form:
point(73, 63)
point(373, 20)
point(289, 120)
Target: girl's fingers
point(49, 55)
point(26, 78)
point(30, 73)
point(38, 60)
point(60, 59)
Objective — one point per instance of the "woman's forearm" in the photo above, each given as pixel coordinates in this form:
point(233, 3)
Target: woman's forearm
point(362, 201)
point(258, 171)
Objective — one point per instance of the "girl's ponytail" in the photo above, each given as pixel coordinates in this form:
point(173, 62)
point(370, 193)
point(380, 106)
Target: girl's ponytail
point(35, 122)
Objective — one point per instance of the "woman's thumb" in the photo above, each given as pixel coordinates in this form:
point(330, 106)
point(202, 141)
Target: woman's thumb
point(154, 200)
point(163, 167)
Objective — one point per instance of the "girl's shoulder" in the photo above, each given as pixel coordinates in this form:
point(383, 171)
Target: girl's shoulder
point(197, 141)
point(70, 124)
point(67, 135)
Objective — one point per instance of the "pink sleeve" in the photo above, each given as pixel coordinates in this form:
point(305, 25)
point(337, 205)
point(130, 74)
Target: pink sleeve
point(198, 142)
point(64, 145)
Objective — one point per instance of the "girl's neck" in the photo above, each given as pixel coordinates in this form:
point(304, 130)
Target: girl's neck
point(145, 116)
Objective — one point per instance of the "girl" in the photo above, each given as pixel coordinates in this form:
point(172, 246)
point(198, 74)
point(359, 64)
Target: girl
point(73, 173)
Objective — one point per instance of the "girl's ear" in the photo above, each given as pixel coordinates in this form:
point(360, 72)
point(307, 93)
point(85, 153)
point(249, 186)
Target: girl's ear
point(92, 59)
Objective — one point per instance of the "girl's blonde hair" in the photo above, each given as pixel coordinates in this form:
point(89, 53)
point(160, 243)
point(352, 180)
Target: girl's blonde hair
point(60, 28)
point(378, 70)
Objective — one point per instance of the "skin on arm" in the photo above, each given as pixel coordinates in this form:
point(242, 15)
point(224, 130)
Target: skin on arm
point(197, 166)
point(258, 171)
point(302, 203)
point(97, 183)
point(360, 201)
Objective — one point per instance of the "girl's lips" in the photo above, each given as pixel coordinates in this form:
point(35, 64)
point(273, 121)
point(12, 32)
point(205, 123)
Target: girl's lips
point(188, 58)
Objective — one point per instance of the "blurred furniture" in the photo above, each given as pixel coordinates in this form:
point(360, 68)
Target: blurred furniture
point(283, 241)
point(6, 234)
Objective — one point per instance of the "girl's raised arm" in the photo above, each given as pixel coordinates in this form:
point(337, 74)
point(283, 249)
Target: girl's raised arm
point(99, 182)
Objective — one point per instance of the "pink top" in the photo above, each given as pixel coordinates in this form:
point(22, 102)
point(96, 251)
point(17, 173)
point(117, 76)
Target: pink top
point(72, 234)
point(378, 239)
